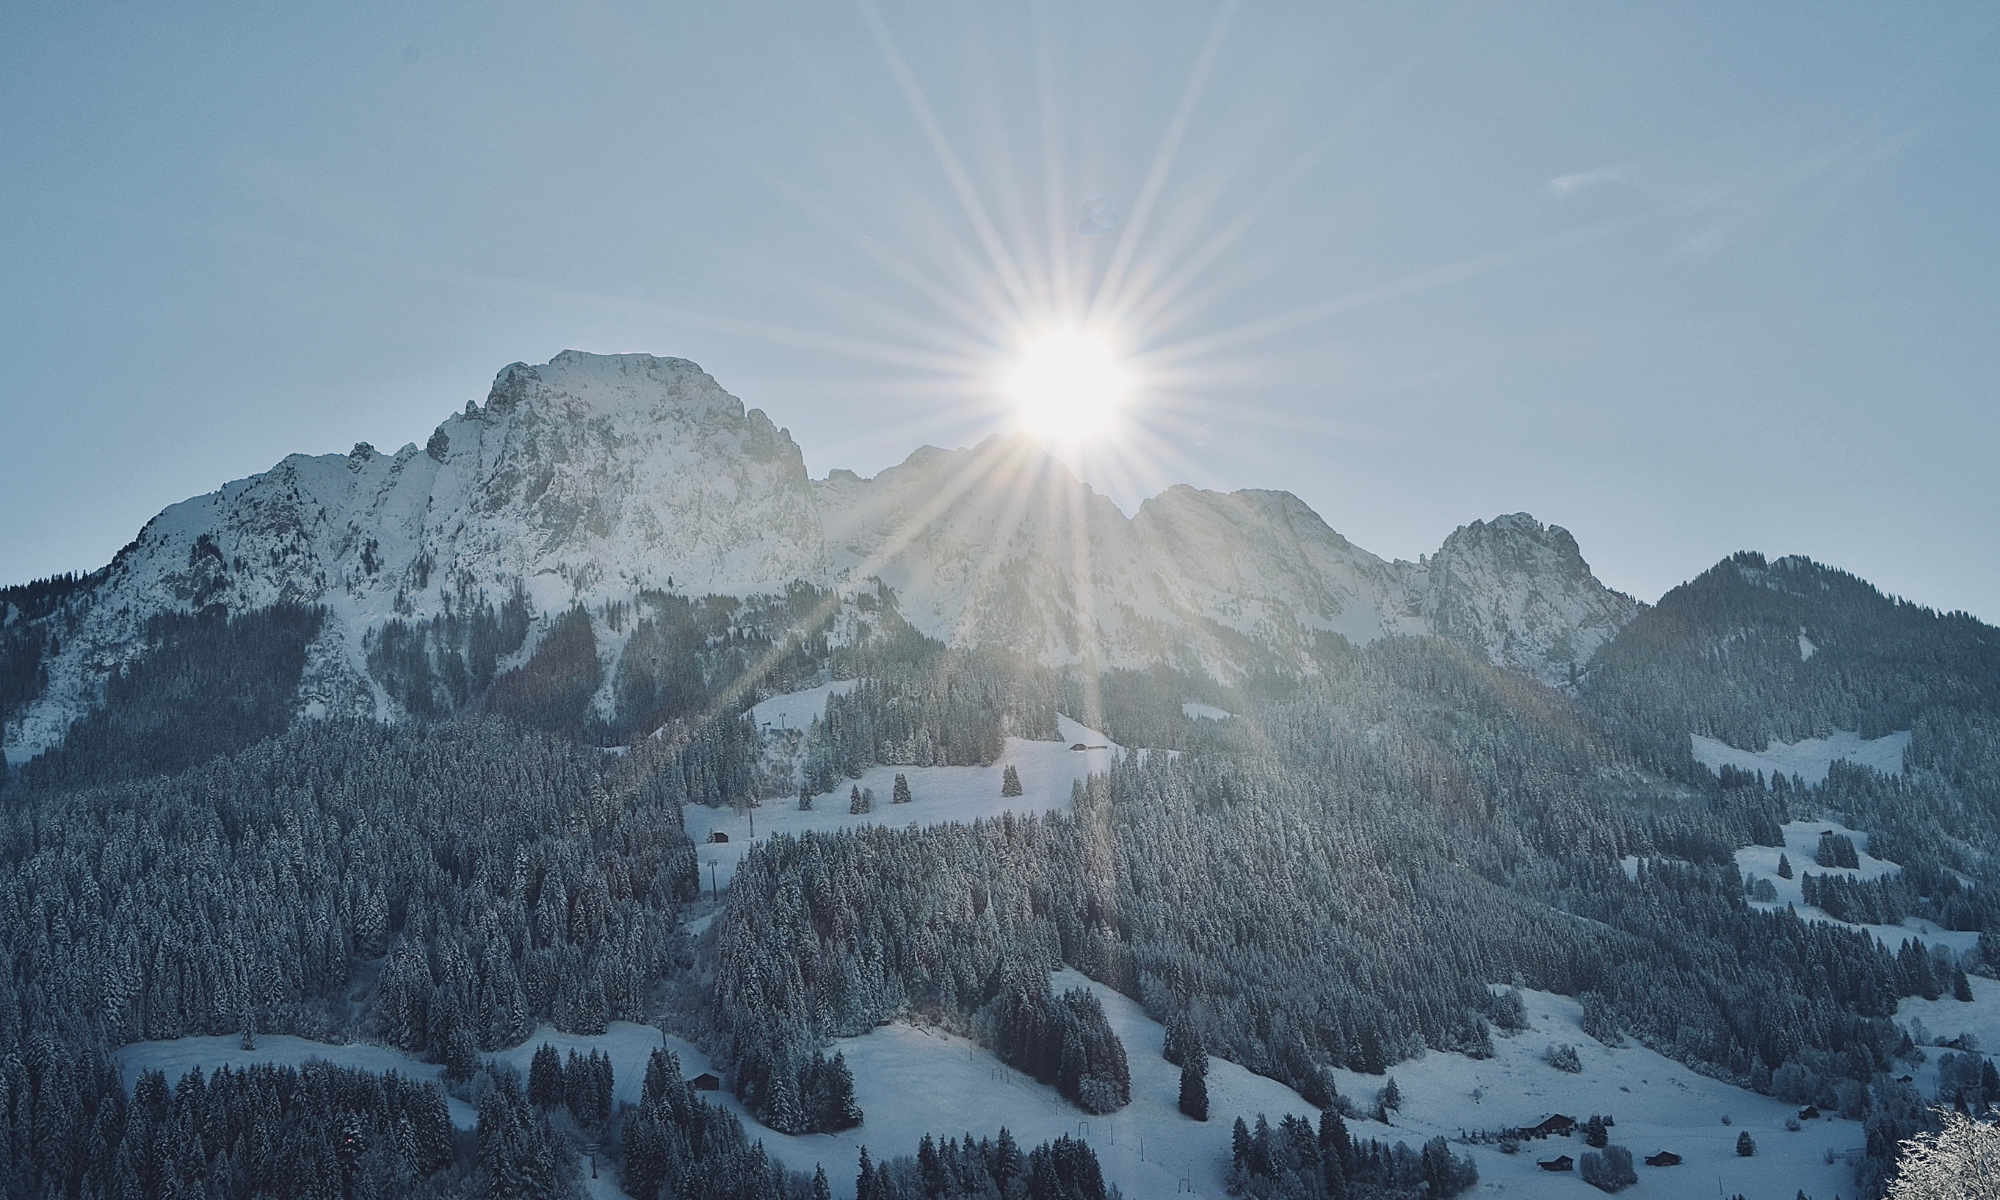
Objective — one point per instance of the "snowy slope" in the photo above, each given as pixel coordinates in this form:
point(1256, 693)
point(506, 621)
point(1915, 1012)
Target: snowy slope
point(593, 477)
point(1809, 758)
point(912, 1081)
point(938, 795)
point(1658, 1104)
point(1801, 843)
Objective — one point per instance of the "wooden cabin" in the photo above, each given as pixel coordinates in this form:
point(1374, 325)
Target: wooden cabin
point(1665, 1158)
point(1557, 1125)
point(716, 835)
point(707, 1081)
point(1560, 1163)
point(1809, 1113)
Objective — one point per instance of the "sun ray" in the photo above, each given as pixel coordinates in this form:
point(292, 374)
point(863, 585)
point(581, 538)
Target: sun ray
point(1108, 296)
point(955, 173)
point(1416, 283)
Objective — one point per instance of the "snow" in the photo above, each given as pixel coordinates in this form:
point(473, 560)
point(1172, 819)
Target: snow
point(1801, 844)
point(1658, 1104)
point(937, 795)
point(911, 1081)
point(1207, 712)
point(796, 710)
point(1947, 1018)
point(1806, 647)
point(1808, 758)
point(176, 1057)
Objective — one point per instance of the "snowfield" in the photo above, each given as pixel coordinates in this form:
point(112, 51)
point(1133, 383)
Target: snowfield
point(1808, 758)
point(1801, 843)
point(911, 1081)
point(1194, 710)
point(937, 794)
point(1658, 1104)
point(797, 710)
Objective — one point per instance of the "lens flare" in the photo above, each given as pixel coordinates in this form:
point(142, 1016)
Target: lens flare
point(1068, 385)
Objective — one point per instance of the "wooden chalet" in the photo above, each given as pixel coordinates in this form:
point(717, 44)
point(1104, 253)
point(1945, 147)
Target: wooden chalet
point(1665, 1158)
point(1560, 1163)
point(707, 1081)
point(1809, 1113)
point(1557, 1125)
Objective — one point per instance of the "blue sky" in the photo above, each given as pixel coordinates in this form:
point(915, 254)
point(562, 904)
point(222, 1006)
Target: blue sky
point(1685, 279)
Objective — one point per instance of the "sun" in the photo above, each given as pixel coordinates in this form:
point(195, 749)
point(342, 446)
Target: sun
point(1068, 385)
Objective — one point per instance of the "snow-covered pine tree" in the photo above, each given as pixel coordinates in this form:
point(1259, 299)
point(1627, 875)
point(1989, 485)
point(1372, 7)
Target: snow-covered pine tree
point(1194, 1087)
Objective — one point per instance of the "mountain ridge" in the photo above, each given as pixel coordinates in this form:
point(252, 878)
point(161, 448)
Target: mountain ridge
point(591, 479)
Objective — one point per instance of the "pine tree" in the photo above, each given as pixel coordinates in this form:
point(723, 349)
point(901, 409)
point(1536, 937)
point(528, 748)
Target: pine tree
point(1239, 1144)
point(1194, 1089)
point(857, 803)
point(1181, 1042)
point(805, 797)
point(1961, 987)
point(1010, 783)
point(545, 1078)
point(1595, 1135)
point(1745, 1145)
point(1784, 867)
point(1392, 1096)
point(901, 794)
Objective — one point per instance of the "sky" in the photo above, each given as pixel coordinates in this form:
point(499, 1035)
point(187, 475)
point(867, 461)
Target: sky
point(1684, 279)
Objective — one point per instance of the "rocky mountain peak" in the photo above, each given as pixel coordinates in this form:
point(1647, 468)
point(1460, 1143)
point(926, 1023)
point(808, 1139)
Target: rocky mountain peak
point(1521, 592)
point(594, 478)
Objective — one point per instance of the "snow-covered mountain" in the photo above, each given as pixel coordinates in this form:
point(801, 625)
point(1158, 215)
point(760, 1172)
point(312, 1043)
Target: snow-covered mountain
point(593, 477)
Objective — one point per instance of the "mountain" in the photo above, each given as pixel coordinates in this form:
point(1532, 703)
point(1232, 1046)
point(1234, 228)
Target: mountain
point(1753, 828)
point(594, 478)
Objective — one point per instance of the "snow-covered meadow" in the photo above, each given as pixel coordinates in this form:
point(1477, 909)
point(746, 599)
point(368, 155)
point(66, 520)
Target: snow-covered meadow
point(1801, 843)
point(1658, 1105)
point(1807, 758)
point(938, 795)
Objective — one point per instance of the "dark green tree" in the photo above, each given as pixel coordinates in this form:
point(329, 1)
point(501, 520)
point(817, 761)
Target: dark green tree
point(1194, 1088)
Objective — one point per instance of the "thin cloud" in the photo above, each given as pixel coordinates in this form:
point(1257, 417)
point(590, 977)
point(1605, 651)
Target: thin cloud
point(1563, 185)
